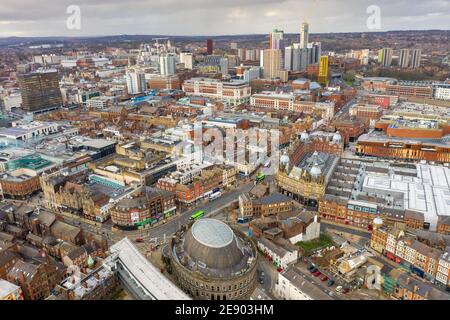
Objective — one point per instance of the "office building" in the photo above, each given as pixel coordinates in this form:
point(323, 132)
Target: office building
point(224, 66)
point(295, 58)
point(187, 59)
point(276, 42)
point(271, 63)
point(288, 57)
point(252, 74)
point(167, 64)
point(441, 91)
point(323, 70)
point(276, 39)
point(40, 90)
point(233, 92)
point(135, 82)
point(242, 54)
point(314, 52)
point(250, 54)
point(209, 46)
point(304, 35)
point(385, 57)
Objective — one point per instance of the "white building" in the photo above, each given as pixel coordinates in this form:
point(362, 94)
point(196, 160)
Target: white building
point(443, 270)
point(426, 193)
point(14, 100)
point(291, 285)
point(281, 256)
point(101, 102)
point(252, 74)
point(312, 232)
point(167, 65)
point(136, 82)
point(29, 131)
point(233, 92)
point(441, 91)
point(187, 59)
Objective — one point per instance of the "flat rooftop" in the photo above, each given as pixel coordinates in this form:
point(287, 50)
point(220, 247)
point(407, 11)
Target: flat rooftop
point(428, 192)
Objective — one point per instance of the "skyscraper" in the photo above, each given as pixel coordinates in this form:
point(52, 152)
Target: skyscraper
point(403, 59)
point(415, 58)
point(136, 82)
point(323, 70)
point(40, 90)
point(276, 41)
point(276, 38)
point(250, 54)
point(385, 57)
point(304, 35)
point(288, 58)
point(209, 46)
point(223, 66)
point(271, 63)
point(241, 54)
point(187, 58)
point(167, 64)
point(314, 52)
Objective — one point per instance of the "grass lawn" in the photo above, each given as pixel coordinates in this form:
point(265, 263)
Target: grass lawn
point(310, 246)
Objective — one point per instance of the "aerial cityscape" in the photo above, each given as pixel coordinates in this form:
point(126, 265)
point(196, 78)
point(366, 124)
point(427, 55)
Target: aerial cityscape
point(298, 158)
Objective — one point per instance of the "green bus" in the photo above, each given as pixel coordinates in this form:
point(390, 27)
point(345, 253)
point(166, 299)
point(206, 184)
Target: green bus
point(260, 177)
point(197, 215)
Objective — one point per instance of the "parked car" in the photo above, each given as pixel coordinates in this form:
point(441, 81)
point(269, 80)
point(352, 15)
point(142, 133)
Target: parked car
point(313, 270)
point(324, 278)
point(330, 282)
point(311, 267)
point(317, 273)
point(139, 240)
point(345, 290)
point(338, 288)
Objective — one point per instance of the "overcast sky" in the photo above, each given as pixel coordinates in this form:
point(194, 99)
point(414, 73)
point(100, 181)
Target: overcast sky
point(215, 17)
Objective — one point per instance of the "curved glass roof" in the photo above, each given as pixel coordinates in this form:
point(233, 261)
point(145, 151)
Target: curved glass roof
point(212, 233)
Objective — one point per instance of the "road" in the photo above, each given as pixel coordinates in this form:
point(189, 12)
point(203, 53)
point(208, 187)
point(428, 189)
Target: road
point(344, 110)
point(169, 228)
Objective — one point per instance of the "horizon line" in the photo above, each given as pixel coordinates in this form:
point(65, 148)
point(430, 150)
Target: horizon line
point(222, 35)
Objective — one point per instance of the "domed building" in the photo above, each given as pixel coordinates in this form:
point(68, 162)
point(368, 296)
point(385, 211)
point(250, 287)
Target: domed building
point(211, 262)
point(337, 138)
point(304, 137)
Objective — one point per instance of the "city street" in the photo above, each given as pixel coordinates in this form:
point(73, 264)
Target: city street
point(168, 228)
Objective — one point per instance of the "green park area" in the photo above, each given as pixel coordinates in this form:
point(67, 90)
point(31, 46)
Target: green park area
point(310, 246)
